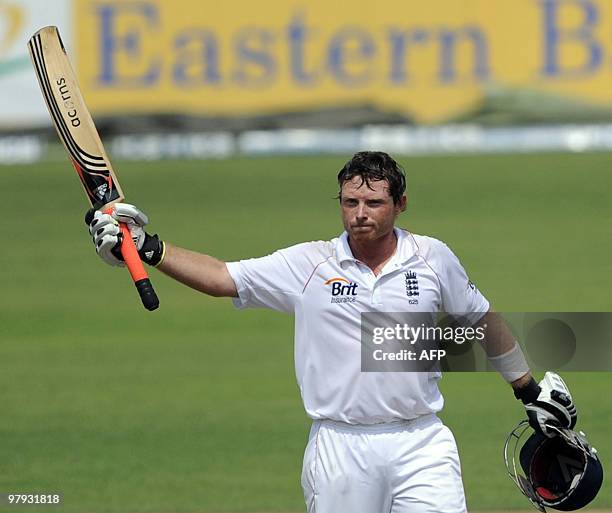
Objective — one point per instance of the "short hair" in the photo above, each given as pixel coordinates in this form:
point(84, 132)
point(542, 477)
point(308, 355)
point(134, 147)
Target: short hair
point(372, 166)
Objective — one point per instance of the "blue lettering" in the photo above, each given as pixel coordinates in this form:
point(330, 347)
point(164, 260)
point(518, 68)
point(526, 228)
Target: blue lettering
point(336, 288)
point(339, 289)
point(111, 44)
point(400, 40)
point(448, 49)
point(256, 66)
point(555, 37)
point(298, 34)
point(350, 47)
point(198, 49)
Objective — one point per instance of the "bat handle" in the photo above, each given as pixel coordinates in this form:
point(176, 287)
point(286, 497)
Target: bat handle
point(139, 274)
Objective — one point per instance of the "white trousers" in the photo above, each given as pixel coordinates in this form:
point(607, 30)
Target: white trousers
point(402, 467)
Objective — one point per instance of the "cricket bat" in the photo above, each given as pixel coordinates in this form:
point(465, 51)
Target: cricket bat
point(79, 136)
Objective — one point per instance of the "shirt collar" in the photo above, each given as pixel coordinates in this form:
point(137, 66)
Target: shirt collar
point(403, 252)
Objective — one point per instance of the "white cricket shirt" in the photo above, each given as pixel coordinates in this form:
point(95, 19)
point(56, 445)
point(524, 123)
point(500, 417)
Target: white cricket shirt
point(300, 280)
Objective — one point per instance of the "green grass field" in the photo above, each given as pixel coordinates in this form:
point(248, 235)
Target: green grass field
point(194, 408)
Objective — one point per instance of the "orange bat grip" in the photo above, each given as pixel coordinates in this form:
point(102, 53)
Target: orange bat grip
point(137, 271)
point(131, 256)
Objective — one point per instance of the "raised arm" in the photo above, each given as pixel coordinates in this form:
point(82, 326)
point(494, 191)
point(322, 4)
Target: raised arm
point(196, 270)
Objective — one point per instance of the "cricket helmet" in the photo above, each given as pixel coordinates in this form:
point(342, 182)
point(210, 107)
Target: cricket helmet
point(562, 472)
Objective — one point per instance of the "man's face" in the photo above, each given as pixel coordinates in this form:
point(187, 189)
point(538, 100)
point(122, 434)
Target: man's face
point(368, 214)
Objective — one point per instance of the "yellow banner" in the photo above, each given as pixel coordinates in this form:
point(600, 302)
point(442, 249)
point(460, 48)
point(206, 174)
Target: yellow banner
point(429, 60)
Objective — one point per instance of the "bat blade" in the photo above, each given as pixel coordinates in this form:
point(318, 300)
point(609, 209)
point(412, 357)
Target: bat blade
point(79, 136)
point(72, 119)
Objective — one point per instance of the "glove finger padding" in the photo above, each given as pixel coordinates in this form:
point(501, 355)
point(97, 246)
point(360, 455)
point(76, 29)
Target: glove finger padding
point(108, 247)
point(135, 220)
point(553, 406)
point(106, 236)
point(99, 221)
point(129, 214)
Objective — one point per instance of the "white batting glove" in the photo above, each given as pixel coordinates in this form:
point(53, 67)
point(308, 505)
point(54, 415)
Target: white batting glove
point(135, 219)
point(553, 406)
point(106, 234)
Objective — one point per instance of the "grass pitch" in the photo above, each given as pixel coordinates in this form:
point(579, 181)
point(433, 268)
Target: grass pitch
point(194, 408)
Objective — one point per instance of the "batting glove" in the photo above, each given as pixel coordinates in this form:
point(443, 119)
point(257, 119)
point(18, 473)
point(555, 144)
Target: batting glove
point(548, 403)
point(106, 234)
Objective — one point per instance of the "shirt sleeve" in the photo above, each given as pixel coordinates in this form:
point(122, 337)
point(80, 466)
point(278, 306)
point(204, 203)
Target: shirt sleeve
point(274, 281)
point(459, 295)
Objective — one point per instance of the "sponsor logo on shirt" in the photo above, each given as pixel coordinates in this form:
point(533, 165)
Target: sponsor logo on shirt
point(342, 290)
